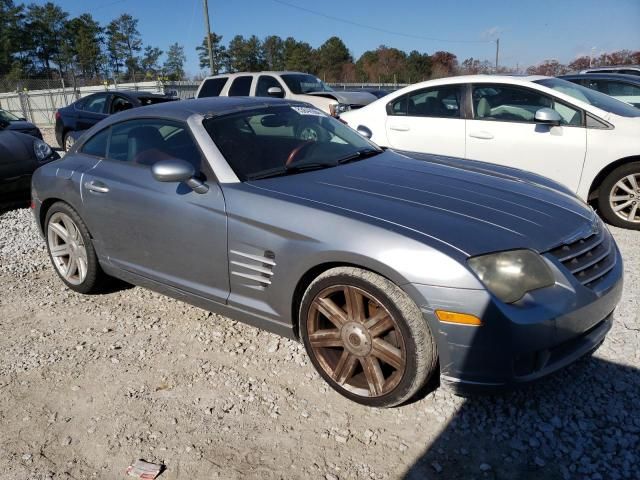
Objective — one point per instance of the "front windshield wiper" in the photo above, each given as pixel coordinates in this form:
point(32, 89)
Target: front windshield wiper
point(288, 170)
point(360, 155)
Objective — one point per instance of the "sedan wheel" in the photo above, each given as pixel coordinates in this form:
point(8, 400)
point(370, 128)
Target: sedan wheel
point(365, 337)
point(624, 198)
point(68, 142)
point(70, 248)
point(619, 198)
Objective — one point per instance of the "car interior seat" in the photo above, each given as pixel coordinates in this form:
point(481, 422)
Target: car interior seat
point(483, 108)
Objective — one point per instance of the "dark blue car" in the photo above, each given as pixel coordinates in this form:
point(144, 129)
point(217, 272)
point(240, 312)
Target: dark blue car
point(86, 112)
point(617, 85)
point(19, 124)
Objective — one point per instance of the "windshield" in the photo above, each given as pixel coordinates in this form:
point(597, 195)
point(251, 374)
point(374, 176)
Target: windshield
point(302, 83)
point(8, 117)
point(280, 140)
point(597, 99)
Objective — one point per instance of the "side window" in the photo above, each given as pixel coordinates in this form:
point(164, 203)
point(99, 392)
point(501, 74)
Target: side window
point(516, 104)
point(95, 103)
point(119, 104)
point(212, 87)
point(439, 102)
point(240, 86)
point(145, 142)
point(265, 82)
point(619, 89)
point(97, 145)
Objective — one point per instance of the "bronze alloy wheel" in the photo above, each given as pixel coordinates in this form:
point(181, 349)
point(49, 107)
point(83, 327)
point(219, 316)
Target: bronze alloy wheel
point(356, 340)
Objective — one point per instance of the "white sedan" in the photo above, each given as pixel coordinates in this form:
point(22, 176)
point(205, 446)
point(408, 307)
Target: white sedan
point(583, 139)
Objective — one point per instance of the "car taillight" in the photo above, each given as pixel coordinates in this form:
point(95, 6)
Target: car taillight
point(57, 115)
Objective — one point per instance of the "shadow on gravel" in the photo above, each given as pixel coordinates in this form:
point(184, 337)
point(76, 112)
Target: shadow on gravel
point(583, 422)
point(13, 202)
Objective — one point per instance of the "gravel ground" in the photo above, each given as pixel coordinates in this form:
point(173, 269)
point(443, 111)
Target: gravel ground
point(49, 136)
point(90, 383)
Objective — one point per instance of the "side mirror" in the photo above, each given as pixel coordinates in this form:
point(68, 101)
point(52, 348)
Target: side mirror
point(364, 131)
point(275, 92)
point(175, 170)
point(548, 116)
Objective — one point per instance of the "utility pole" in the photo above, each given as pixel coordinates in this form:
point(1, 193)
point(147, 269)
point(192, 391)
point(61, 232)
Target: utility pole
point(497, 52)
point(205, 4)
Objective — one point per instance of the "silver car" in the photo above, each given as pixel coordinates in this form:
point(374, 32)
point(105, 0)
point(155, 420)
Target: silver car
point(391, 270)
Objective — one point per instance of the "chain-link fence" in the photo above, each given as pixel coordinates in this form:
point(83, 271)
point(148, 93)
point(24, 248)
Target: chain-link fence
point(39, 106)
point(37, 100)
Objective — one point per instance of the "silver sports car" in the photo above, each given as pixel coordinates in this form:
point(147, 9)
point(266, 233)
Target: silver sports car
point(389, 269)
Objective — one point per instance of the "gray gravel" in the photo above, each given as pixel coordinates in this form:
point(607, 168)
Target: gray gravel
point(88, 384)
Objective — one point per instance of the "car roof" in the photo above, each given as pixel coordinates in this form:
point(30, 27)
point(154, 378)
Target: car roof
point(206, 107)
point(509, 79)
point(604, 76)
point(264, 72)
point(133, 93)
point(605, 67)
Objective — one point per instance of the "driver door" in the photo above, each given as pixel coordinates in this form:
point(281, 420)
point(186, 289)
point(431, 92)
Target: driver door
point(165, 232)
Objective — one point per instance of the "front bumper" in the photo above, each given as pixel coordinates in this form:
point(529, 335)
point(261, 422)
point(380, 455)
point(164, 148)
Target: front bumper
point(519, 343)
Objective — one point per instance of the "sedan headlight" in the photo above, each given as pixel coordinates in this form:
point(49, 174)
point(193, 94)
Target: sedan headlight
point(41, 149)
point(336, 109)
point(509, 275)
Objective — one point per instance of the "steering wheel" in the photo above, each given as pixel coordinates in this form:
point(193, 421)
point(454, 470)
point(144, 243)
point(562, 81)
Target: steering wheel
point(296, 151)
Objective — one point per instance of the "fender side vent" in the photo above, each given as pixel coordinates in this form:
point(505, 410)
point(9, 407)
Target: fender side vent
point(254, 268)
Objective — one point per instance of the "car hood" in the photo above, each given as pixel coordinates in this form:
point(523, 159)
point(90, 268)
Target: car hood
point(349, 98)
point(471, 208)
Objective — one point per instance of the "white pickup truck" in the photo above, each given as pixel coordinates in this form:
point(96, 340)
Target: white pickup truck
point(291, 85)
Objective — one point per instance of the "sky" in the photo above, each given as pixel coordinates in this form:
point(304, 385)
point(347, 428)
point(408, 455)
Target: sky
point(529, 31)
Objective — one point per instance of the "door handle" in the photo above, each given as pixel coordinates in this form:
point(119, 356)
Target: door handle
point(481, 135)
point(98, 187)
point(400, 128)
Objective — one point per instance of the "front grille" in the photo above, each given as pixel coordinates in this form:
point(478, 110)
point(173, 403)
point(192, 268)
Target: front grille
point(588, 259)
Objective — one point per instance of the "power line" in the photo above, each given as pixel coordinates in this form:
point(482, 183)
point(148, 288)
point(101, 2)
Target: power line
point(377, 29)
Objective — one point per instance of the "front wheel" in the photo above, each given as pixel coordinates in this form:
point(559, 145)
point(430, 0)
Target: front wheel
point(366, 337)
point(71, 250)
point(619, 197)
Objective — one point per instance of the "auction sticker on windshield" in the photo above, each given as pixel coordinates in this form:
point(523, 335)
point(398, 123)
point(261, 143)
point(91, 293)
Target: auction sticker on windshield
point(308, 111)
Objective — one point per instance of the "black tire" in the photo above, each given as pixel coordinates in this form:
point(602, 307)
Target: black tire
point(94, 274)
point(608, 187)
point(419, 344)
point(65, 139)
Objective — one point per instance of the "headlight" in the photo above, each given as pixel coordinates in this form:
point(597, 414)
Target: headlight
point(337, 108)
point(509, 275)
point(41, 149)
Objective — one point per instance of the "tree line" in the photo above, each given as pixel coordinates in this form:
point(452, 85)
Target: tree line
point(333, 62)
point(44, 41)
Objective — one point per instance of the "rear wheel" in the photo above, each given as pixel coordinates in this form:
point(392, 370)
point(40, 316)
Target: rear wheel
point(366, 337)
point(619, 197)
point(71, 250)
point(68, 141)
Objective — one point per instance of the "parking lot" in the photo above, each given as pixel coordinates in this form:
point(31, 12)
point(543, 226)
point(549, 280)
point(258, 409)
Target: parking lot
point(90, 383)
